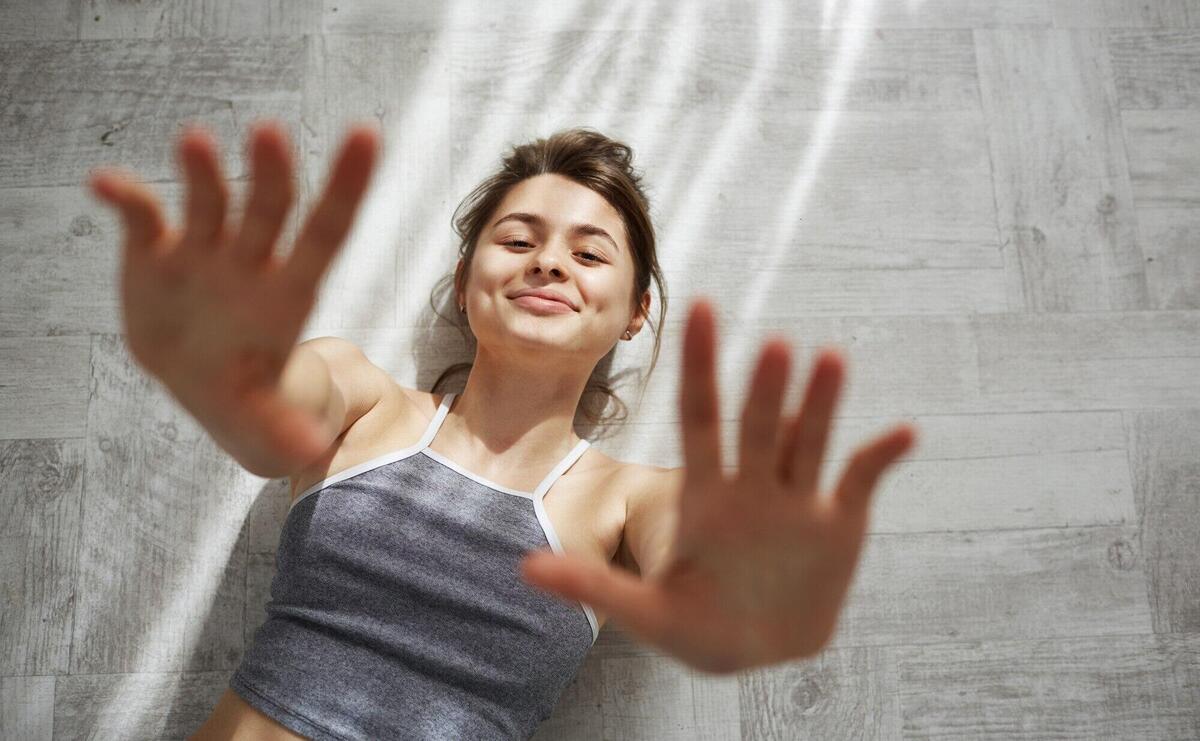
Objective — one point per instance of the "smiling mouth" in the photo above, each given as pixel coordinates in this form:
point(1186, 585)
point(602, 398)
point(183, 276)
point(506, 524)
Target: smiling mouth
point(542, 304)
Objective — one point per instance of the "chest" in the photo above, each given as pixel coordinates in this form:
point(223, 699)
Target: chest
point(585, 505)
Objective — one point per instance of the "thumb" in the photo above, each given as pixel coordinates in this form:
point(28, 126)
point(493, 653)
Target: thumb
point(635, 604)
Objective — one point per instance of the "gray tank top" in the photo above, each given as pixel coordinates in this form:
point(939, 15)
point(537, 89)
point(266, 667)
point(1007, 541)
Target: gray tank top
point(398, 610)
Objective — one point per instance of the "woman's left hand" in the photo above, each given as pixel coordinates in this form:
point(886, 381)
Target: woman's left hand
point(761, 560)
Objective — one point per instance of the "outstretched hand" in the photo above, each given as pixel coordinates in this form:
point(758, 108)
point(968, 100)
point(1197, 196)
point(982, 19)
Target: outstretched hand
point(761, 561)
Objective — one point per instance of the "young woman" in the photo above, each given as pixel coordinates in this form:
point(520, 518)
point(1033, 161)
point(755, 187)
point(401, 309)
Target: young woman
point(448, 559)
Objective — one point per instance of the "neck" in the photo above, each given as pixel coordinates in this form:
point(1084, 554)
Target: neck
point(504, 412)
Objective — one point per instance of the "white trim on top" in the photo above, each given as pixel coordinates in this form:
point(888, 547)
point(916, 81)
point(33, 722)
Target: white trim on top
point(422, 446)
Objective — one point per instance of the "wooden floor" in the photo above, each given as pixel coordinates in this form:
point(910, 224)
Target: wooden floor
point(993, 208)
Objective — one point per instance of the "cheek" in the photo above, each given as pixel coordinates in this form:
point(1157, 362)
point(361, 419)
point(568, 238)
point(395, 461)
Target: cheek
point(605, 290)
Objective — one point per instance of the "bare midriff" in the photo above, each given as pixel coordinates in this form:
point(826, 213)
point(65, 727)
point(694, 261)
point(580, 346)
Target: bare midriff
point(233, 719)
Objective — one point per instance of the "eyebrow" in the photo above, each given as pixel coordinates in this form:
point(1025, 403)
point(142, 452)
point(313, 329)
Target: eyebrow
point(528, 218)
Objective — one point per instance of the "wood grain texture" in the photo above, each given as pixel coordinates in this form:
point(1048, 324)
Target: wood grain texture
point(842, 693)
point(1136, 686)
point(1166, 475)
point(988, 206)
point(1063, 199)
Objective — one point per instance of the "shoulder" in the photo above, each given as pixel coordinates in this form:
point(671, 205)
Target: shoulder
point(416, 405)
point(640, 482)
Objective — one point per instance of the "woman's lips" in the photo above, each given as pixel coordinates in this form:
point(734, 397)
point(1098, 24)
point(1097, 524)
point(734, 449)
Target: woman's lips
point(543, 305)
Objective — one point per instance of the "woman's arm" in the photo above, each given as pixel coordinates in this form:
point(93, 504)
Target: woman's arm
point(651, 519)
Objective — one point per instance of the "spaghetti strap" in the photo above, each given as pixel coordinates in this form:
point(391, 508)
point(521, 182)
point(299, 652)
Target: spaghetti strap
point(540, 491)
point(435, 424)
point(567, 461)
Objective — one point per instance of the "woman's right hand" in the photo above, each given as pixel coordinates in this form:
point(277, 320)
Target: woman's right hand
point(212, 311)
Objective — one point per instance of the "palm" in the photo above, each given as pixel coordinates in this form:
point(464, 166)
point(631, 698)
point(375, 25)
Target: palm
point(761, 560)
point(762, 581)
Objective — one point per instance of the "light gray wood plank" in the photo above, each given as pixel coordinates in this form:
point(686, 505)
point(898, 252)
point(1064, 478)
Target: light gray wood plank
point(1119, 13)
point(843, 693)
point(27, 707)
point(60, 253)
point(597, 71)
point(1102, 361)
point(879, 292)
point(1156, 69)
point(43, 386)
point(207, 19)
point(996, 585)
point(151, 705)
point(112, 103)
point(385, 16)
point(932, 14)
point(168, 594)
point(400, 236)
point(1063, 199)
point(1163, 162)
point(648, 697)
point(874, 190)
point(1169, 237)
point(1118, 687)
point(717, 706)
point(39, 495)
point(1166, 475)
point(40, 21)
point(995, 471)
point(1163, 158)
point(391, 17)
point(1063, 490)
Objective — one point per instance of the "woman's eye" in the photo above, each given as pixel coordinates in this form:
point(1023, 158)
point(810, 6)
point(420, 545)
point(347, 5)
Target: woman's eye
point(596, 258)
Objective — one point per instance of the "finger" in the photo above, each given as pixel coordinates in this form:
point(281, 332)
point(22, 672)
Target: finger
point(140, 210)
point(869, 462)
point(207, 195)
point(809, 432)
point(632, 602)
point(698, 407)
point(758, 440)
point(271, 195)
point(328, 224)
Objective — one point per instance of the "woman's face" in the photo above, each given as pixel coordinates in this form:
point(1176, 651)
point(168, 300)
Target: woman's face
point(566, 239)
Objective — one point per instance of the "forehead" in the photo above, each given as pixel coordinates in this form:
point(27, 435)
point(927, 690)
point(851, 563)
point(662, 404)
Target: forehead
point(562, 202)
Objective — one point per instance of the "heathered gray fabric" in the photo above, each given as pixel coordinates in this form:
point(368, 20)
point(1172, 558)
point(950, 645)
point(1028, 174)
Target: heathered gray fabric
point(398, 610)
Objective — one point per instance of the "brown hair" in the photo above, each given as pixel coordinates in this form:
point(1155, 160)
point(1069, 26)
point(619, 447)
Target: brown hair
point(603, 165)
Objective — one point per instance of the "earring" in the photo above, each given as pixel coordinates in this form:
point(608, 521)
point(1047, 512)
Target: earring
point(627, 335)
point(462, 308)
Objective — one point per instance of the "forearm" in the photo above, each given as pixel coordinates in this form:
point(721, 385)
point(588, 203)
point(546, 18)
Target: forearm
point(305, 383)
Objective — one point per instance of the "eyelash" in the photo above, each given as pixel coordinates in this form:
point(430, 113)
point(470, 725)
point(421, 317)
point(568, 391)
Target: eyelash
point(521, 241)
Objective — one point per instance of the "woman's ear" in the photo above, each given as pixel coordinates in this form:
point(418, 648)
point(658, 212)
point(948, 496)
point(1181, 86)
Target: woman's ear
point(639, 318)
